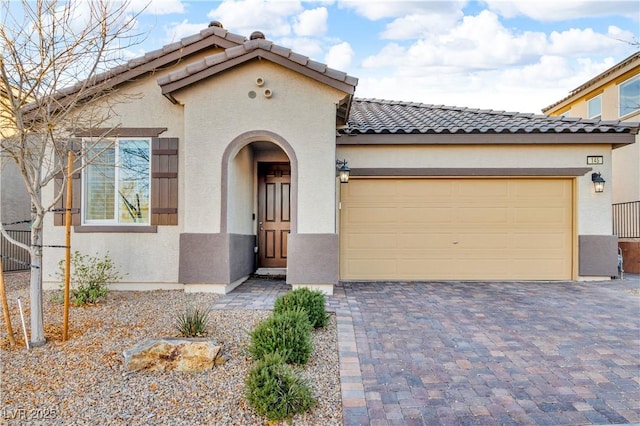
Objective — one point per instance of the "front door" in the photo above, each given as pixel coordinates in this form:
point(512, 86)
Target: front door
point(274, 214)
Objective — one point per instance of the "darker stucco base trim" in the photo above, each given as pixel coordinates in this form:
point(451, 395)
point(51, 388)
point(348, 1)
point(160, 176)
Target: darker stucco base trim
point(215, 258)
point(598, 255)
point(313, 259)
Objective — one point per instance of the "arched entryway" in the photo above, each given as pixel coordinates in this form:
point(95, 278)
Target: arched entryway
point(259, 197)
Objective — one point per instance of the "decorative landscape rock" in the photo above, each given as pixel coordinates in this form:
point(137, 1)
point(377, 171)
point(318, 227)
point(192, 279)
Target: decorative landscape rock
point(166, 354)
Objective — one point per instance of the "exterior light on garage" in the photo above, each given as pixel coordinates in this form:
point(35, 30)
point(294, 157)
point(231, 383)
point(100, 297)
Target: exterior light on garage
point(598, 182)
point(343, 170)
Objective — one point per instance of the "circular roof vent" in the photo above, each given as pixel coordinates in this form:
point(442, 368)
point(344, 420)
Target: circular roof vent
point(215, 24)
point(256, 35)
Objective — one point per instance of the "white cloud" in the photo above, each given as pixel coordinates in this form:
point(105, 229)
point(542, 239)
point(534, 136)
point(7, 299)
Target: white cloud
point(554, 10)
point(177, 30)
point(156, 7)
point(312, 48)
point(478, 42)
point(580, 41)
point(340, 56)
point(312, 22)
point(246, 16)
point(417, 25)
point(377, 9)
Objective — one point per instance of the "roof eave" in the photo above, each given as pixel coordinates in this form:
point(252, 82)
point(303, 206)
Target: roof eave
point(169, 87)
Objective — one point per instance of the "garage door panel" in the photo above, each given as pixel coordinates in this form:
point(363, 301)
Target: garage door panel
point(371, 241)
point(480, 229)
point(366, 269)
point(372, 215)
point(433, 240)
point(414, 268)
point(426, 216)
point(481, 189)
point(414, 189)
point(550, 216)
point(482, 240)
point(475, 215)
point(529, 269)
point(547, 241)
point(541, 189)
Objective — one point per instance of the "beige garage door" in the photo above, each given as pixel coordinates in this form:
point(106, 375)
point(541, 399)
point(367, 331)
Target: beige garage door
point(456, 229)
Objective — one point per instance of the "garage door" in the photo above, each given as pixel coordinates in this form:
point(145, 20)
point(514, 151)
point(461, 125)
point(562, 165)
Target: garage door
point(456, 229)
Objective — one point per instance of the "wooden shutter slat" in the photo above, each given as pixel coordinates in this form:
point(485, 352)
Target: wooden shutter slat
point(164, 181)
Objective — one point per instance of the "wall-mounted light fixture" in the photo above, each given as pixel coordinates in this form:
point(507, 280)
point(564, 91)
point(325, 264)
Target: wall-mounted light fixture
point(343, 170)
point(598, 182)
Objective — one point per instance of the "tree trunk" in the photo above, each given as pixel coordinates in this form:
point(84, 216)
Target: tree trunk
point(37, 323)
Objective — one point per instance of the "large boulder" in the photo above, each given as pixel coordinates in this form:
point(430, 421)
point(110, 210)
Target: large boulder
point(166, 354)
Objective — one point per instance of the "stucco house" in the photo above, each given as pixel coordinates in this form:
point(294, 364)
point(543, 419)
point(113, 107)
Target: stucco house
point(229, 157)
point(614, 94)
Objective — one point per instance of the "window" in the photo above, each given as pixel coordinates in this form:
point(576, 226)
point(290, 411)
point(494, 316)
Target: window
point(629, 96)
point(595, 107)
point(117, 182)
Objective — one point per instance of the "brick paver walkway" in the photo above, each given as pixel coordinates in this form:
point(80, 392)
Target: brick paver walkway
point(495, 353)
point(481, 353)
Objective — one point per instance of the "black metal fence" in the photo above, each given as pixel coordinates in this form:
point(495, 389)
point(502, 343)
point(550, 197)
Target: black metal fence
point(15, 258)
point(626, 219)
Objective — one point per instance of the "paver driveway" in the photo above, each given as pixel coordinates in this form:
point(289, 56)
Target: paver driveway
point(490, 353)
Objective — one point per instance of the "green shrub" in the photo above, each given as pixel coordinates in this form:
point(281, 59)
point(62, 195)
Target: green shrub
point(287, 333)
point(276, 391)
point(312, 301)
point(193, 322)
point(90, 276)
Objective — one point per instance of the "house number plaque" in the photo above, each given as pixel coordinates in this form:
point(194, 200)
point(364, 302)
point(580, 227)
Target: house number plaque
point(595, 159)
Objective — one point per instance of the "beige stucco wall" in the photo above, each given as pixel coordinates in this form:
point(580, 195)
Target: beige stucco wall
point(139, 104)
point(241, 182)
point(626, 173)
point(301, 111)
point(593, 210)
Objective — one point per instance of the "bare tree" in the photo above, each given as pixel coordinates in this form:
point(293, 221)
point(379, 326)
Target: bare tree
point(55, 57)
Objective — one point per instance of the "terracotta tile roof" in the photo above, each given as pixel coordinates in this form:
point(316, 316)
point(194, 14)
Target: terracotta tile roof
point(374, 116)
point(258, 48)
point(151, 61)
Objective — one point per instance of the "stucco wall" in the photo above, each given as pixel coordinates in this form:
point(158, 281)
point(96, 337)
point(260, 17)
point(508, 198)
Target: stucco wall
point(241, 181)
point(144, 258)
point(301, 111)
point(593, 210)
point(626, 173)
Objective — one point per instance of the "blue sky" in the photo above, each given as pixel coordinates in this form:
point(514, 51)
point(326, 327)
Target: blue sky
point(495, 54)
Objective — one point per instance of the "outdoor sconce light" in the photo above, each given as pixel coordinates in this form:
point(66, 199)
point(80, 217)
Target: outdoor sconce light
point(343, 170)
point(598, 182)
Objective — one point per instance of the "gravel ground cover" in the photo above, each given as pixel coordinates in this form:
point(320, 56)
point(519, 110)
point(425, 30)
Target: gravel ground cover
point(81, 381)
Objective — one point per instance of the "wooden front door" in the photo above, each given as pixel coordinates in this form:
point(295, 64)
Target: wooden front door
point(274, 214)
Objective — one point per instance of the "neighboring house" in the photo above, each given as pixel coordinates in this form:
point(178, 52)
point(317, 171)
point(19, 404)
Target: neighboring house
point(615, 95)
point(230, 165)
point(15, 205)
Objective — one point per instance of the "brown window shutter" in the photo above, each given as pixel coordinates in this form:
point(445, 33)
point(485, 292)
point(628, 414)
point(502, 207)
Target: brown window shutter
point(58, 216)
point(164, 181)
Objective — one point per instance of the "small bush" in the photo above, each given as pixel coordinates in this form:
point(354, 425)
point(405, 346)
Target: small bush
point(312, 301)
point(193, 322)
point(90, 276)
point(287, 333)
point(275, 391)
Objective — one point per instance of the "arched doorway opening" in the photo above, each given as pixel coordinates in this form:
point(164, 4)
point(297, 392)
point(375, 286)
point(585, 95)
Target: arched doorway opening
point(259, 197)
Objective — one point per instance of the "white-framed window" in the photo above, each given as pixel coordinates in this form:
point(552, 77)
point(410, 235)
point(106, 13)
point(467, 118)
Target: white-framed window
point(594, 106)
point(117, 182)
point(629, 99)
